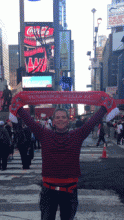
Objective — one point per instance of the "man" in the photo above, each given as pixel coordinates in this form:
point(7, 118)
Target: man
point(7, 95)
point(8, 126)
point(101, 134)
point(78, 123)
point(60, 158)
point(4, 146)
point(48, 123)
point(119, 132)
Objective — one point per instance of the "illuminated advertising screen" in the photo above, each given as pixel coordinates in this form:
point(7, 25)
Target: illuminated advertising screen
point(39, 47)
point(66, 83)
point(115, 15)
point(36, 82)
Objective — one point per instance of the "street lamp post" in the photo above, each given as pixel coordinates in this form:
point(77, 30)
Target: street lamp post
point(95, 56)
point(93, 11)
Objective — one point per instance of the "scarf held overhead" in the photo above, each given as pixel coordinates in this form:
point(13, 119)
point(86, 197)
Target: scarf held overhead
point(58, 97)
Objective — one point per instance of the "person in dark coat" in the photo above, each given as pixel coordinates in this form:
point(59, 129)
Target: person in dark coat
point(7, 96)
point(79, 123)
point(22, 146)
point(29, 145)
point(101, 134)
point(4, 146)
point(8, 126)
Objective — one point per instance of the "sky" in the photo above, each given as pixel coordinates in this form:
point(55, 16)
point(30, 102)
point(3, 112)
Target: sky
point(79, 21)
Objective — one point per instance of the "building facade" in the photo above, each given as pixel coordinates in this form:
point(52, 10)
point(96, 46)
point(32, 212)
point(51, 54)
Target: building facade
point(117, 1)
point(13, 65)
point(4, 56)
point(62, 13)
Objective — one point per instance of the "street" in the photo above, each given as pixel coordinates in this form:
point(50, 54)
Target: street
point(100, 187)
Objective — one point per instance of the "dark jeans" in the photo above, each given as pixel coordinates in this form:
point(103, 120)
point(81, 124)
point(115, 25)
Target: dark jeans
point(119, 136)
point(4, 152)
point(50, 199)
point(101, 138)
point(24, 157)
point(3, 162)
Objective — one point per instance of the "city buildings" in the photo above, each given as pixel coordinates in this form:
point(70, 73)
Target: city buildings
point(13, 65)
point(117, 1)
point(4, 57)
point(107, 66)
point(62, 58)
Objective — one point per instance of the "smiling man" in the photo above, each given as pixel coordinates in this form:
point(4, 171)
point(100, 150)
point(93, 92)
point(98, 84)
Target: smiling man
point(61, 120)
point(60, 158)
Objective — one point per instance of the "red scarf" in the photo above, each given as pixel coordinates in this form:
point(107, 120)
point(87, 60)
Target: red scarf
point(57, 97)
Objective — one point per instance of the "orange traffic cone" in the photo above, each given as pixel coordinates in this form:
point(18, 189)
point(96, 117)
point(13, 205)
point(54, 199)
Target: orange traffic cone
point(104, 152)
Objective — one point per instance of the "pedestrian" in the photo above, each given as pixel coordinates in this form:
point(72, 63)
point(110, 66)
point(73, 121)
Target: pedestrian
point(79, 123)
point(28, 143)
point(4, 146)
point(123, 132)
point(101, 134)
point(8, 126)
point(22, 146)
point(48, 123)
point(119, 132)
point(60, 158)
point(43, 122)
point(33, 141)
point(115, 129)
point(109, 125)
point(7, 96)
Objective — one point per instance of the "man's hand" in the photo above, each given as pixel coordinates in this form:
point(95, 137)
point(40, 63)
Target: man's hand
point(16, 104)
point(110, 105)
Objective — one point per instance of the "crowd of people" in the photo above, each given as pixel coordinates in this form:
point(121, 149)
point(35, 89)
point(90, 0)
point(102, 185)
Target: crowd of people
point(19, 136)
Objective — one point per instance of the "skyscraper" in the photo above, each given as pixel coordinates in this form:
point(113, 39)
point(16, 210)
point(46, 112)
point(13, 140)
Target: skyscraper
point(117, 1)
point(13, 64)
point(4, 55)
point(62, 13)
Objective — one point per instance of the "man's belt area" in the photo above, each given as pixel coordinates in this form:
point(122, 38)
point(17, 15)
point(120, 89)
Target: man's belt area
point(66, 188)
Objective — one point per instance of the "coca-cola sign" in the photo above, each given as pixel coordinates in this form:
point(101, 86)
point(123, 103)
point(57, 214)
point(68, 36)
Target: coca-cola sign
point(39, 47)
point(32, 31)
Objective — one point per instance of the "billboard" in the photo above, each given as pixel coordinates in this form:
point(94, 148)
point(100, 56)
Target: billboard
point(117, 44)
point(111, 90)
point(65, 50)
point(36, 82)
point(39, 47)
point(115, 15)
point(66, 83)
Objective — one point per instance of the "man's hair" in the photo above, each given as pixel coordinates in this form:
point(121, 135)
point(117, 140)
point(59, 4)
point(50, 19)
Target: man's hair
point(60, 109)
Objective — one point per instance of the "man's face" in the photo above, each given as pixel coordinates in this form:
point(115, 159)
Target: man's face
point(61, 121)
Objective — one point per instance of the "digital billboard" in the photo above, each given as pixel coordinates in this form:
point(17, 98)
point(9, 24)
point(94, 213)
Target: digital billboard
point(37, 82)
point(66, 83)
point(39, 47)
point(115, 15)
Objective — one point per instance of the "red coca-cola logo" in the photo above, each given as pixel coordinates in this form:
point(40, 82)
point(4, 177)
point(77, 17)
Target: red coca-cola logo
point(32, 31)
